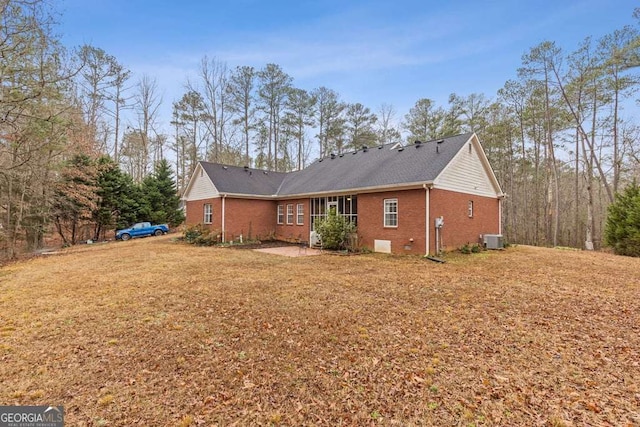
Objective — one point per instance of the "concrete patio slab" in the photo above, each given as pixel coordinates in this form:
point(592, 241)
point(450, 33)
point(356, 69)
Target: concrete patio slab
point(290, 251)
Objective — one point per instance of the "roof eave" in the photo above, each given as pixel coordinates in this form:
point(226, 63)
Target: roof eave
point(248, 196)
point(371, 189)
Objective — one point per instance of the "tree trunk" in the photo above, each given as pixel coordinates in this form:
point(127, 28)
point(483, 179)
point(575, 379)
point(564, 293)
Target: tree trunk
point(552, 159)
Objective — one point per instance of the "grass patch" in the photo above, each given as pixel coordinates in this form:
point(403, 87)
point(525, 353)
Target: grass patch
point(525, 336)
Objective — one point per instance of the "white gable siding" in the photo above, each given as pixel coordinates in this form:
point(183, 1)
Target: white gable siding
point(466, 174)
point(201, 187)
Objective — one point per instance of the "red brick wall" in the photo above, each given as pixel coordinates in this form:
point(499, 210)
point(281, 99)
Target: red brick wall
point(255, 217)
point(459, 229)
point(251, 218)
point(411, 218)
point(195, 213)
point(260, 218)
point(293, 232)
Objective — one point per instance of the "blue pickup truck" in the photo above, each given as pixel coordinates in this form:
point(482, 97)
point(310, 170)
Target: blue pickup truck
point(142, 229)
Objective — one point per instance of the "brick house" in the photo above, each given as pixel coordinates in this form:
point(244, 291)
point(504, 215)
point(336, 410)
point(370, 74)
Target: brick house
point(403, 199)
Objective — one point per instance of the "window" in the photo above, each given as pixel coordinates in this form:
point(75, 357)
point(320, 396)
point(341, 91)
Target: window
point(290, 214)
point(470, 209)
point(280, 214)
point(390, 212)
point(300, 219)
point(208, 214)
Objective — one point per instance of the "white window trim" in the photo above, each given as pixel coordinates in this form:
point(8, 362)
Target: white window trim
point(290, 214)
point(280, 218)
point(300, 214)
point(208, 214)
point(386, 212)
point(470, 208)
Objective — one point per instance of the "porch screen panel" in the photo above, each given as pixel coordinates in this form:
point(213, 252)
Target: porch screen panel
point(347, 207)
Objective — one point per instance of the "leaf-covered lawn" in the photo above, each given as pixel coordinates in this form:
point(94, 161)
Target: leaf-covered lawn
point(153, 332)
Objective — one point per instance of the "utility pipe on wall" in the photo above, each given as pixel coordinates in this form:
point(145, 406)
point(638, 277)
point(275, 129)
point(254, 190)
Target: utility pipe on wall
point(427, 218)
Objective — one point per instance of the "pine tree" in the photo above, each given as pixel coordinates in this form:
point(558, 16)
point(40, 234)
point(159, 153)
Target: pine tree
point(121, 202)
point(329, 120)
point(622, 231)
point(161, 195)
point(424, 121)
point(272, 92)
point(359, 122)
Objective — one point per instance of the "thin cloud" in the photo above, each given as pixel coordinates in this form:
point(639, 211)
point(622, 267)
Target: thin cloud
point(342, 44)
point(355, 46)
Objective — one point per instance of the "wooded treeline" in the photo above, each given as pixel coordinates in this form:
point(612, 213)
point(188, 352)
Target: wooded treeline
point(60, 110)
point(558, 136)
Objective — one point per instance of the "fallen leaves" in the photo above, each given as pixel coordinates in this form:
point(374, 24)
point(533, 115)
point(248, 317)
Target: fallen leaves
point(227, 337)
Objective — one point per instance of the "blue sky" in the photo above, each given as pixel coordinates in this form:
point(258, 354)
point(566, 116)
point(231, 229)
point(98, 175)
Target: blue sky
point(371, 52)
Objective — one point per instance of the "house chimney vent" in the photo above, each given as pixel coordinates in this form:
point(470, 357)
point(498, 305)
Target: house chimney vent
point(438, 142)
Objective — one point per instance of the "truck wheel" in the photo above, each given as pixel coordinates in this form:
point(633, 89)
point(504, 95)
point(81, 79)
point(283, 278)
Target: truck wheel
point(157, 233)
point(125, 236)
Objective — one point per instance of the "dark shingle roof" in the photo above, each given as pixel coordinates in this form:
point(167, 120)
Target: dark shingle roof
point(237, 180)
point(375, 167)
point(372, 167)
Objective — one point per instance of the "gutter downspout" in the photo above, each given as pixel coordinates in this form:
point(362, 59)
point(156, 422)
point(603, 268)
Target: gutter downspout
point(224, 196)
point(427, 218)
point(500, 199)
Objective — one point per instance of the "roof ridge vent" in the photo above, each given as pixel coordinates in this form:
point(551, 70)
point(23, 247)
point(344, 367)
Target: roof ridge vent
point(418, 143)
point(365, 148)
point(380, 147)
point(400, 149)
point(333, 156)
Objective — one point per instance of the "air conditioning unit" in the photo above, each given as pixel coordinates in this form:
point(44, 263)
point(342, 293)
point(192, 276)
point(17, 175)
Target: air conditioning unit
point(493, 241)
